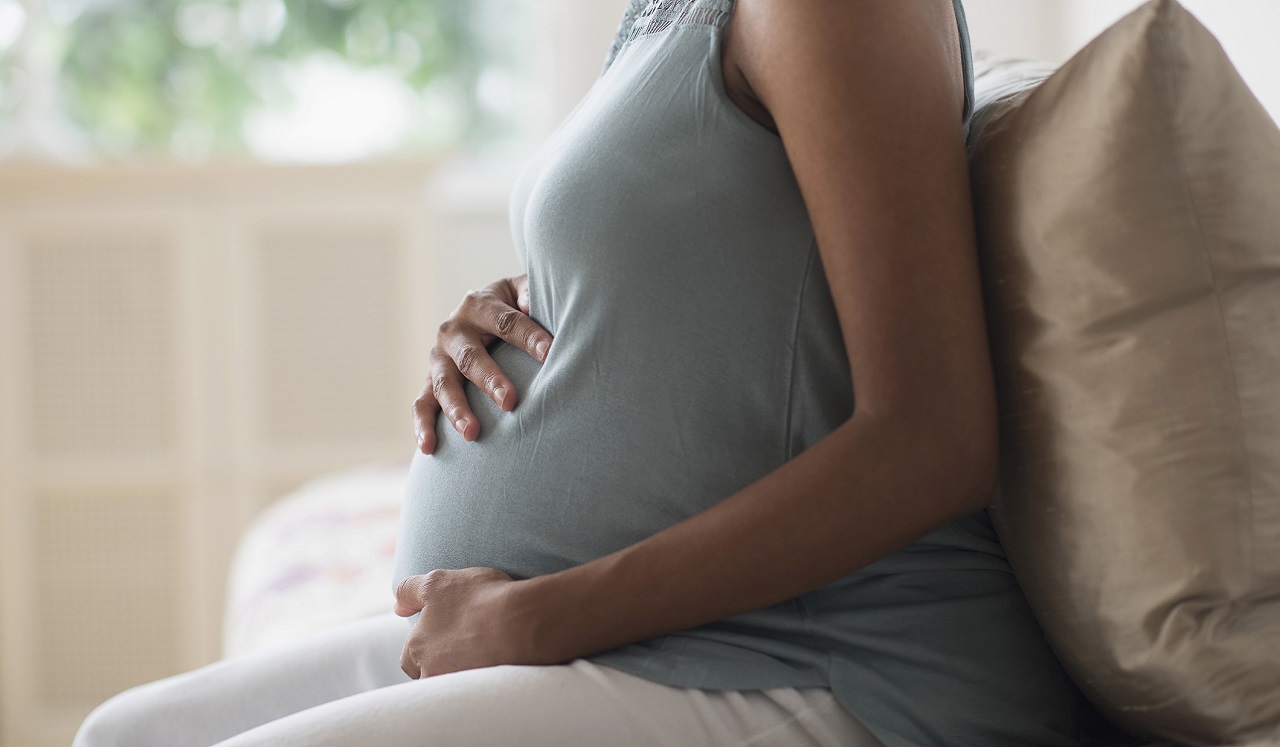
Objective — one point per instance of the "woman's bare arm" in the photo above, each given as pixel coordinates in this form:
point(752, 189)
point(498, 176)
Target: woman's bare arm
point(867, 102)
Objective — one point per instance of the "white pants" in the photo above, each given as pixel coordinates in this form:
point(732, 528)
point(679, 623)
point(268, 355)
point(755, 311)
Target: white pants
point(344, 687)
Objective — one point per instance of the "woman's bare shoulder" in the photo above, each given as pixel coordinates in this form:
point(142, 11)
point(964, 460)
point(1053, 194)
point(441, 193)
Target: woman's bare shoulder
point(748, 17)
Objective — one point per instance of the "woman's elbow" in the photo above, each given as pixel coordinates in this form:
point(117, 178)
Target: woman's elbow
point(951, 448)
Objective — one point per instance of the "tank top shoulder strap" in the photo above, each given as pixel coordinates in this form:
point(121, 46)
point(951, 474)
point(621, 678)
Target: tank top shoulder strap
point(966, 63)
point(635, 8)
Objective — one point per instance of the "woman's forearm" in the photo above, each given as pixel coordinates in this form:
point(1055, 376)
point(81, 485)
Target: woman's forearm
point(867, 489)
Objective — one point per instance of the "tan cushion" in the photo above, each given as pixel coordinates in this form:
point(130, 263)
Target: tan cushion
point(1128, 210)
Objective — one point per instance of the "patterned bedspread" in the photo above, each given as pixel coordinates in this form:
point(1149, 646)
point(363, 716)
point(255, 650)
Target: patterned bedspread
point(319, 557)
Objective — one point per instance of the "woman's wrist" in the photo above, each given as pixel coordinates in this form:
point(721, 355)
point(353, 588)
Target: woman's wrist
point(554, 619)
point(538, 605)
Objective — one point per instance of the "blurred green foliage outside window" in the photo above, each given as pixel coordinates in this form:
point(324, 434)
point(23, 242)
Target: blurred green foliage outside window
point(293, 80)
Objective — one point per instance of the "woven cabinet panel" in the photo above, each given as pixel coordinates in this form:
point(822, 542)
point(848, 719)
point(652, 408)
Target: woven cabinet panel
point(102, 357)
point(107, 575)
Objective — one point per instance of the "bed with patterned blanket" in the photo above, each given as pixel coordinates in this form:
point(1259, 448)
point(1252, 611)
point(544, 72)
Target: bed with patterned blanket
point(318, 557)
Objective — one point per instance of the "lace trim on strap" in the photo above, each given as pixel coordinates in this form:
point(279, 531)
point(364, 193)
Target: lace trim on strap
point(643, 17)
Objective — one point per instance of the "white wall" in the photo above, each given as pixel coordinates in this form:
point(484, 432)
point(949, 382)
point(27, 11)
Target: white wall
point(1023, 28)
point(1055, 29)
point(576, 37)
point(1246, 29)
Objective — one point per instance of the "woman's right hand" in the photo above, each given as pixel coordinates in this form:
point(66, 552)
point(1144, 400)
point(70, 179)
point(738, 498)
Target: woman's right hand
point(498, 310)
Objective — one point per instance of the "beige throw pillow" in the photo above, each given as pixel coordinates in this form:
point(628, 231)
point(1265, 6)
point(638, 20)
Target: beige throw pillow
point(1128, 210)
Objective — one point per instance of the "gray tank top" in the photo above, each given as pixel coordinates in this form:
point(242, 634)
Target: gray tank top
point(696, 350)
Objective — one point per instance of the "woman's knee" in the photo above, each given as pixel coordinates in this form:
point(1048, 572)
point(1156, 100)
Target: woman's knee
point(124, 720)
point(209, 704)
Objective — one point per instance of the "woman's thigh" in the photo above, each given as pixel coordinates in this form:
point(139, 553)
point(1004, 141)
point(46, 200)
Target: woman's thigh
point(210, 704)
point(581, 703)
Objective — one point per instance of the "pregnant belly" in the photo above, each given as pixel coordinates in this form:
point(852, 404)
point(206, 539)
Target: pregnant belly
point(595, 457)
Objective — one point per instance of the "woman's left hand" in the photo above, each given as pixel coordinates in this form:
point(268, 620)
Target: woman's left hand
point(469, 620)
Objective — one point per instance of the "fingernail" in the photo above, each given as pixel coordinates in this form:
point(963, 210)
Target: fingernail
point(541, 349)
point(500, 394)
point(461, 425)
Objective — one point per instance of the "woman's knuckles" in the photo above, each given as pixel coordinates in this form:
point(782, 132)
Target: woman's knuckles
point(440, 387)
point(447, 329)
point(507, 322)
point(466, 359)
point(433, 581)
point(426, 405)
point(470, 301)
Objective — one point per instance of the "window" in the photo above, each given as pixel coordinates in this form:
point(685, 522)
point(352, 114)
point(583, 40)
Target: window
point(279, 80)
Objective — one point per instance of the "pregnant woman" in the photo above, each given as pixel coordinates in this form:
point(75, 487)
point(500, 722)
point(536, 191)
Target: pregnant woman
point(652, 513)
